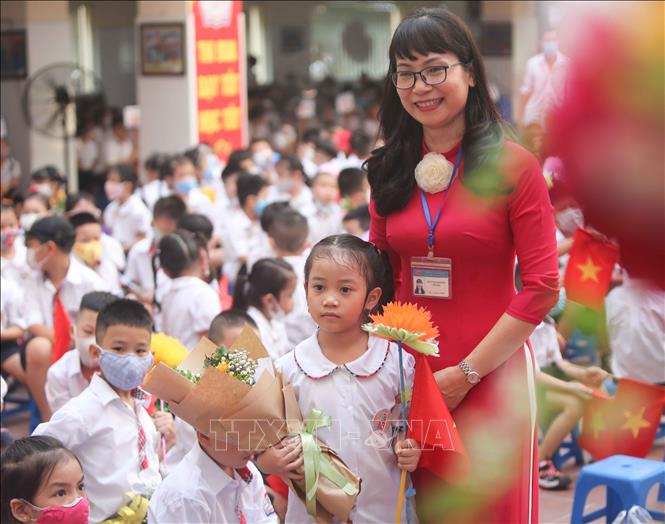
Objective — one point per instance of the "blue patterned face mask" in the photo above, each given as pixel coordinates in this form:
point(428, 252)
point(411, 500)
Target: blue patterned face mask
point(125, 372)
point(185, 186)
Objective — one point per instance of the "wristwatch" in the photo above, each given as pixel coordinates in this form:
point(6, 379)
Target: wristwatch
point(472, 377)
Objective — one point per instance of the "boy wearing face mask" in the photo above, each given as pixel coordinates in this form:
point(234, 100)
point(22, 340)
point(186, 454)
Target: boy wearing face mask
point(291, 185)
point(326, 219)
point(89, 249)
point(143, 274)
point(126, 215)
point(35, 206)
point(243, 234)
point(186, 186)
point(70, 375)
point(106, 427)
point(53, 293)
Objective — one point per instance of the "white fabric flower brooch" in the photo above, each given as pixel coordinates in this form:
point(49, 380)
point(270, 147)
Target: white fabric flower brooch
point(434, 172)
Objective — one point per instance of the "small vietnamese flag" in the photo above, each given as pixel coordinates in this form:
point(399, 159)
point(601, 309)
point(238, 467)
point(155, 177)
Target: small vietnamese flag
point(589, 270)
point(432, 426)
point(626, 424)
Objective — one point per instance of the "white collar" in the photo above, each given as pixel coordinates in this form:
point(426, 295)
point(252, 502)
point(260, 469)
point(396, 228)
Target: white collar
point(312, 362)
point(73, 275)
point(214, 474)
point(102, 390)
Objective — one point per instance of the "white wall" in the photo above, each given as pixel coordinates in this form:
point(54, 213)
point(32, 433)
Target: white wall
point(114, 35)
point(168, 103)
point(50, 40)
point(13, 17)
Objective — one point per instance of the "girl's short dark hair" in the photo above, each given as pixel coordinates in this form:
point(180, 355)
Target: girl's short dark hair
point(391, 167)
point(269, 276)
point(372, 263)
point(25, 466)
point(179, 250)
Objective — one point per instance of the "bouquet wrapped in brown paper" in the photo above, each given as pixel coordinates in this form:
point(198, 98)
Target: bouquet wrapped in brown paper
point(216, 402)
point(329, 488)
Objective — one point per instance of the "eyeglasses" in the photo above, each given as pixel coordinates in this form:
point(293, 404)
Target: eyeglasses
point(430, 76)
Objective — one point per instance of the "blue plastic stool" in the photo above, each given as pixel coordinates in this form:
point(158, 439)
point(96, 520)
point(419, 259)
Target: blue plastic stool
point(569, 449)
point(627, 480)
point(582, 349)
point(22, 404)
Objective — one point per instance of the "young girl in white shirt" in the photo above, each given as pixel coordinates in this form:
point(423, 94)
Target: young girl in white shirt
point(266, 293)
point(189, 304)
point(350, 376)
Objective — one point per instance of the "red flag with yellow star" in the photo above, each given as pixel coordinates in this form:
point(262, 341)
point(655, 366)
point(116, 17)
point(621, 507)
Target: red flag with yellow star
point(626, 424)
point(589, 270)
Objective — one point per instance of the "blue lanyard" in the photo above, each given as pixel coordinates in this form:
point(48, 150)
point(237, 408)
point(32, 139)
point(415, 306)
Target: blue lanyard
point(428, 216)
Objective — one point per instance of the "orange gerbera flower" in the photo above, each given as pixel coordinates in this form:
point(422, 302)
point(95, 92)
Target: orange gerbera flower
point(410, 317)
point(407, 323)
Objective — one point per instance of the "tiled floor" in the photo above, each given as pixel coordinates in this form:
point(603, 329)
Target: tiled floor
point(555, 506)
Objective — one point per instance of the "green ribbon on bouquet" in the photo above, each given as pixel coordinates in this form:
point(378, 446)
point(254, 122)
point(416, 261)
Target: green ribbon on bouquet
point(316, 464)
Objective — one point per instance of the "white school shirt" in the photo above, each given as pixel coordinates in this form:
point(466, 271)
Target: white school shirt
point(107, 272)
point(325, 221)
point(102, 431)
point(153, 191)
point(240, 237)
point(361, 398)
point(198, 202)
point(299, 324)
point(200, 491)
point(113, 251)
point(39, 293)
point(273, 333)
point(185, 439)
point(545, 345)
point(188, 308)
point(64, 380)
point(11, 304)
point(139, 267)
point(128, 220)
point(635, 313)
point(16, 269)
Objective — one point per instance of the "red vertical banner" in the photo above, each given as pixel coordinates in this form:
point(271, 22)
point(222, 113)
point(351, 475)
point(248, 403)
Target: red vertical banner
point(221, 75)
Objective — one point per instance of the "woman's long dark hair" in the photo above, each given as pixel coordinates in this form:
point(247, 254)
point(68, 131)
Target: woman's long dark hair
point(391, 167)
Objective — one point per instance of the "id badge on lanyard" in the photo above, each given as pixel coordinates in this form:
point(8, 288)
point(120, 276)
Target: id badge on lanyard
point(431, 276)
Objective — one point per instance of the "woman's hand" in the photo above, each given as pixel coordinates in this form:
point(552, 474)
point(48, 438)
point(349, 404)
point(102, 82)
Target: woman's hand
point(453, 385)
point(282, 459)
point(408, 454)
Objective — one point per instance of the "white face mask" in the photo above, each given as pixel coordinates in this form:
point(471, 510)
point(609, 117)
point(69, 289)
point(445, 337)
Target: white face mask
point(83, 346)
point(26, 220)
point(31, 259)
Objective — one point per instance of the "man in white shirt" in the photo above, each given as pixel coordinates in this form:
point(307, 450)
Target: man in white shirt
point(636, 331)
point(543, 87)
point(57, 284)
point(126, 215)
